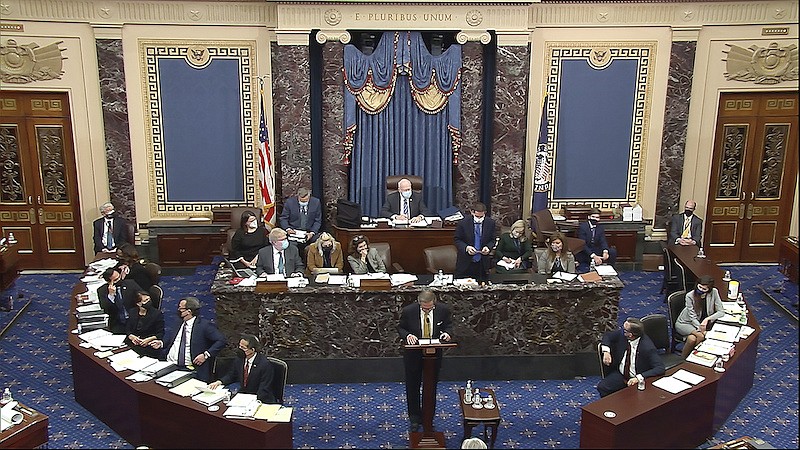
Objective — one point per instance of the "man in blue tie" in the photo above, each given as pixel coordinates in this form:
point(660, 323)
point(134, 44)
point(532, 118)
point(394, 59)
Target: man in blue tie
point(475, 239)
point(110, 230)
point(281, 257)
point(405, 204)
point(116, 297)
point(302, 213)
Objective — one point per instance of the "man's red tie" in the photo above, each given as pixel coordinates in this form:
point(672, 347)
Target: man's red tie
point(246, 373)
point(627, 369)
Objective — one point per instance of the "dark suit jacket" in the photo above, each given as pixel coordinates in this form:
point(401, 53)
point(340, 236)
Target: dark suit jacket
point(465, 236)
point(695, 229)
point(291, 260)
point(416, 205)
point(290, 216)
point(410, 324)
point(151, 324)
point(259, 381)
point(648, 363)
point(507, 247)
point(128, 289)
point(596, 245)
point(205, 337)
point(119, 232)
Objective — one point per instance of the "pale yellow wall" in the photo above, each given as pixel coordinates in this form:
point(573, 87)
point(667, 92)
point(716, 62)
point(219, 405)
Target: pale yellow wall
point(709, 83)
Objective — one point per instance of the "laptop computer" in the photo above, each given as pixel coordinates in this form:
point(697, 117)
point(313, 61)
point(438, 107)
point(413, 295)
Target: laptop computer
point(241, 273)
point(517, 278)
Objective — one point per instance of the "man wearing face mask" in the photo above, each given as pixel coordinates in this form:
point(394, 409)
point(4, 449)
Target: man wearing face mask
point(110, 230)
point(281, 257)
point(686, 228)
point(703, 307)
point(117, 296)
point(195, 344)
point(251, 371)
point(596, 248)
point(630, 356)
point(302, 212)
point(405, 204)
point(474, 239)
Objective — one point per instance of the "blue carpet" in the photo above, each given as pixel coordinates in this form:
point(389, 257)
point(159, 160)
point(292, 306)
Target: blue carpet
point(536, 413)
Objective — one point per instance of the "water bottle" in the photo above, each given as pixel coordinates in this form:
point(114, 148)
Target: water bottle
point(476, 397)
point(700, 253)
point(592, 266)
point(6, 396)
point(468, 393)
point(640, 386)
point(727, 276)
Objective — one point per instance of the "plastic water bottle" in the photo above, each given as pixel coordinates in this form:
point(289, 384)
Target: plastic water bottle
point(640, 386)
point(700, 253)
point(476, 397)
point(592, 266)
point(6, 396)
point(468, 393)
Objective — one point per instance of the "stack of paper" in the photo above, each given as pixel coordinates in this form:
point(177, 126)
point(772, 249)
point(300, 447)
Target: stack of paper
point(242, 406)
point(605, 270)
point(174, 378)
point(671, 384)
point(745, 332)
point(9, 416)
point(209, 397)
point(127, 360)
point(702, 358)
point(402, 278)
point(715, 347)
point(688, 377)
point(188, 388)
point(723, 332)
point(566, 276)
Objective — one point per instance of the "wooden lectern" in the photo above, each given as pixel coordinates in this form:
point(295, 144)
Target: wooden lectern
point(428, 438)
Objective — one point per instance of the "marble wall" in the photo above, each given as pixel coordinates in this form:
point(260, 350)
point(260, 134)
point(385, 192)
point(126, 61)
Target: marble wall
point(466, 173)
point(510, 130)
point(673, 144)
point(335, 175)
point(116, 127)
point(292, 118)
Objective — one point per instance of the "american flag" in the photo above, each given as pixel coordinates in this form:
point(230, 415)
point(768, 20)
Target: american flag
point(265, 179)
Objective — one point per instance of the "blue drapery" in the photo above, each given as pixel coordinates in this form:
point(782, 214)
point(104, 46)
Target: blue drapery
point(402, 116)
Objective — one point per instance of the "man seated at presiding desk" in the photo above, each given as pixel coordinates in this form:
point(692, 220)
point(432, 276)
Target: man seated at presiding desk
point(251, 371)
point(304, 213)
point(196, 342)
point(686, 228)
point(116, 297)
point(110, 230)
point(631, 355)
point(596, 248)
point(405, 204)
point(281, 257)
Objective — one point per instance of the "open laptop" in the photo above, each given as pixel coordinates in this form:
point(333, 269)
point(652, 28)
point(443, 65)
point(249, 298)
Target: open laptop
point(241, 273)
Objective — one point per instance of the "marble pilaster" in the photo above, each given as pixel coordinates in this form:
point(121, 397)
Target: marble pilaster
point(335, 175)
point(673, 143)
point(466, 173)
point(114, 100)
point(510, 129)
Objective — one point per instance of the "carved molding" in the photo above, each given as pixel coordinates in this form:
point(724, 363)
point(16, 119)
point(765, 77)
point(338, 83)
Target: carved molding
point(324, 36)
point(772, 64)
point(473, 36)
point(26, 63)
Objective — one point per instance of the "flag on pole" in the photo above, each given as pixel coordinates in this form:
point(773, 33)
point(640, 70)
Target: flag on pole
point(266, 181)
point(541, 173)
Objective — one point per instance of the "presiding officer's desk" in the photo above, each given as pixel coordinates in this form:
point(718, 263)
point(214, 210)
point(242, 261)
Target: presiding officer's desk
point(324, 323)
point(148, 414)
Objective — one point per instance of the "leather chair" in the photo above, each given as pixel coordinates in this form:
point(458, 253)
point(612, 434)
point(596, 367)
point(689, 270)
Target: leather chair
point(656, 328)
point(674, 274)
point(281, 372)
point(156, 295)
point(392, 180)
point(676, 301)
point(442, 257)
point(131, 232)
point(544, 226)
point(385, 252)
point(236, 221)
point(153, 271)
point(603, 368)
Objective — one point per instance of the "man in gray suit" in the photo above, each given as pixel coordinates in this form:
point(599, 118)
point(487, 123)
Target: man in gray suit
point(281, 257)
point(686, 228)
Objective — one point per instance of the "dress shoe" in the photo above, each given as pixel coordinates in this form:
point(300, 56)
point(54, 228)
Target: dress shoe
point(414, 427)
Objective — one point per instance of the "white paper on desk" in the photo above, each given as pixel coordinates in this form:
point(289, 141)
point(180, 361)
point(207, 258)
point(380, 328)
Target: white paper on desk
point(465, 282)
point(108, 341)
point(188, 388)
point(296, 282)
point(745, 332)
point(275, 277)
point(94, 334)
point(688, 377)
point(89, 308)
point(671, 384)
point(420, 224)
point(732, 308)
point(247, 282)
point(267, 410)
point(209, 397)
point(337, 280)
point(242, 399)
point(454, 217)
point(284, 415)
point(702, 358)
point(566, 276)
point(508, 265)
point(715, 347)
point(605, 270)
point(402, 278)
point(723, 332)
point(428, 341)
point(141, 363)
point(156, 366)
point(730, 318)
point(10, 416)
point(139, 377)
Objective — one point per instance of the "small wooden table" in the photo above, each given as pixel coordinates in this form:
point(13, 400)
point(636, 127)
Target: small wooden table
point(9, 266)
point(489, 418)
point(31, 433)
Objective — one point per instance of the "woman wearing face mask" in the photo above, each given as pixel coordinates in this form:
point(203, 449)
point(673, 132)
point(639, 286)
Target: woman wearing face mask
point(247, 241)
point(364, 259)
point(557, 258)
point(145, 324)
point(703, 307)
point(514, 248)
point(325, 253)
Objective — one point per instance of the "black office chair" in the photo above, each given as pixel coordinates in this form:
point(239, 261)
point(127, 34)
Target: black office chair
point(674, 274)
point(603, 368)
point(676, 301)
point(656, 328)
point(156, 295)
point(281, 372)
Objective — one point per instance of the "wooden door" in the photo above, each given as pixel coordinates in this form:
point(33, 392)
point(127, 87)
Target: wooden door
point(39, 195)
point(754, 171)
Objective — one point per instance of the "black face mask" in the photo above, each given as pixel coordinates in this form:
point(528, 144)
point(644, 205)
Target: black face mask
point(239, 353)
point(593, 222)
point(688, 213)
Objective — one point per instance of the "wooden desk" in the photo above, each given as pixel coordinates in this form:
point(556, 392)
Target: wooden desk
point(626, 236)
point(183, 243)
point(9, 266)
point(407, 244)
point(788, 258)
point(489, 418)
point(147, 414)
point(697, 267)
point(31, 433)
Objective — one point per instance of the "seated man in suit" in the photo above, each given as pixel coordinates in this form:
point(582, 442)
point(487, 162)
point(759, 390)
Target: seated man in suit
point(116, 297)
point(596, 248)
point(474, 238)
point(281, 257)
point(196, 342)
point(631, 356)
point(405, 204)
point(110, 230)
point(251, 371)
point(686, 228)
point(304, 213)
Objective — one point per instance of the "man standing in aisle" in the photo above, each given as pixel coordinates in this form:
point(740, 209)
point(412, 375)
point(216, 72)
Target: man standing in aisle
point(474, 238)
point(302, 213)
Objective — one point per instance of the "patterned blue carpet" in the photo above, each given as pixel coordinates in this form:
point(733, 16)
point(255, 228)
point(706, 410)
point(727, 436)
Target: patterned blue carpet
point(536, 413)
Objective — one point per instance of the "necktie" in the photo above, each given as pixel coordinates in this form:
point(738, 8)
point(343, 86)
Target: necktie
point(627, 368)
point(405, 207)
point(426, 330)
point(280, 263)
point(246, 373)
point(303, 217)
point(687, 222)
point(594, 229)
point(123, 313)
point(477, 256)
point(109, 235)
point(182, 347)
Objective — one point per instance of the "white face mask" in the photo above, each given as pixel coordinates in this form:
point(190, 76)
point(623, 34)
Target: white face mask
point(556, 247)
point(252, 225)
point(478, 219)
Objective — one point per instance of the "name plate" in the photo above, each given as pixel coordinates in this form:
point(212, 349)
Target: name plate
point(375, 285)
point(272, 286)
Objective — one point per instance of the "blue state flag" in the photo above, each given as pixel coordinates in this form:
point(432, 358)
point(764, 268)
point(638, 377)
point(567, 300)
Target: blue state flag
point(541, 173)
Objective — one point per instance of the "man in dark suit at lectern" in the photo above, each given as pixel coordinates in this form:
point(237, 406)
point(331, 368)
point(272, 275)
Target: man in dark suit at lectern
point(424, 319)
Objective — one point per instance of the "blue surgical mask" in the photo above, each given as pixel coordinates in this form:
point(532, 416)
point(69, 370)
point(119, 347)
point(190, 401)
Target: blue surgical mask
point(303, 203)
point(405, 194)
point(284, 244)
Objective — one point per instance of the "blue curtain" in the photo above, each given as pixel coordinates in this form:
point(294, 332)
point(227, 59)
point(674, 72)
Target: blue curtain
point(402, 116)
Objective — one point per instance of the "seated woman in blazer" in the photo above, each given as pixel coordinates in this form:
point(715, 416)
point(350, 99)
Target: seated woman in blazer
point(514, 248)
point(703, 307)
point(364, 259)
point(325, 253)
point(557, 258)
